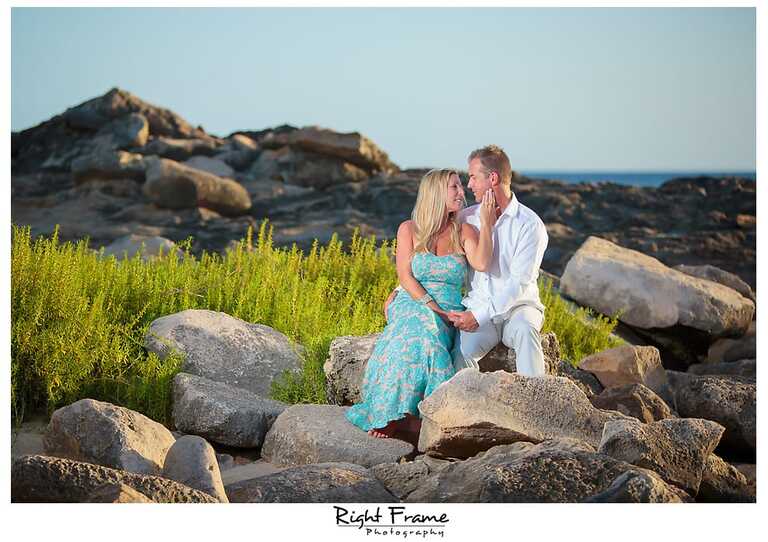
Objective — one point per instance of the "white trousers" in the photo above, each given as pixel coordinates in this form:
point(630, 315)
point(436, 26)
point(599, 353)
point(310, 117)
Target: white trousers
point(519, 331)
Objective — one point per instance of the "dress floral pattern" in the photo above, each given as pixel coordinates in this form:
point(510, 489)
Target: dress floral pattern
point(412, 356)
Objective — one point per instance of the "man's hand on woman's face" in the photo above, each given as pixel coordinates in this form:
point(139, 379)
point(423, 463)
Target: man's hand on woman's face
point(464, 321)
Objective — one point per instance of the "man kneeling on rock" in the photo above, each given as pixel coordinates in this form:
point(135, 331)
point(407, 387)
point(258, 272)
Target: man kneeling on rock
point(503, 302)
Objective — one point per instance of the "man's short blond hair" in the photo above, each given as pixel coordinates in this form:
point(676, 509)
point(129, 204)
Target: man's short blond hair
point(493, 158)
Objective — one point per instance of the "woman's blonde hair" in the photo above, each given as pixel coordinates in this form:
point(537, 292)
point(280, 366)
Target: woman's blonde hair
point(429, 212)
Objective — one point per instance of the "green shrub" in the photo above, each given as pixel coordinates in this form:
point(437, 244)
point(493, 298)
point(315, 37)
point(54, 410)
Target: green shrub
point(579, 330)
point(78, 319)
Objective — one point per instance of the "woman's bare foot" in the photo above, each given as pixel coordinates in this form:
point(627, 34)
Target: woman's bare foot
point(385, 432)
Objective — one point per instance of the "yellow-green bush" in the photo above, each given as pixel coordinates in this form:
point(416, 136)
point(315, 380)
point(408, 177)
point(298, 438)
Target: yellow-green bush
point(78, 320)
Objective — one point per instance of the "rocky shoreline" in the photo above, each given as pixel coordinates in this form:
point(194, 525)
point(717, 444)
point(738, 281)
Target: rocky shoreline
point(670, 416)
point(117, 166)
point(617, 428)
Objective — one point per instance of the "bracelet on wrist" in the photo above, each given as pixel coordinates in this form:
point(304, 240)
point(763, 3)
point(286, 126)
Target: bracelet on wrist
point(425, 299)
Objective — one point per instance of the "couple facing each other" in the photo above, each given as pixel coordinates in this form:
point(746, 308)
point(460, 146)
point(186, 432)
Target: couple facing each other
point(432, 330)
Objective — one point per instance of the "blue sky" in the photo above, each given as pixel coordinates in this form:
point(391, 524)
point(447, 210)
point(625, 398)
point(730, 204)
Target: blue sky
point(560, 89)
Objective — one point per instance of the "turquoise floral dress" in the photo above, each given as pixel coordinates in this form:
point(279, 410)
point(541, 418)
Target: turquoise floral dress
point(412, 356)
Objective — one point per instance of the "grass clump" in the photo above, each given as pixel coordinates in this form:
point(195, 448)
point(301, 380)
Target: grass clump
point(78, 320)
point(580, 331)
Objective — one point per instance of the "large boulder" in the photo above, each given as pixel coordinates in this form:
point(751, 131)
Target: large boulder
point(715, 274)
point(475, 411)
point(109, 435)
point(348, 357)
point(308, 169)
point(722, 482)
point(192, 461)
point(175, 186)
point(109, 165)
point(220, 347)
point(351, 147)
point(37, 478)
point(148, 247)
point(222, 413)
point(676, 449)
point(633, 400)
point(305, 434)
point(645, 293)
point(559, 470)
point(727, 401)
point(318, 483)
point(628, 364)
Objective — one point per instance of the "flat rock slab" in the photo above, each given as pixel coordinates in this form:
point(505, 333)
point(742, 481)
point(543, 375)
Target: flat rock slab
point(220, 347)
point(320, 483)
point(36, 478)
point(109, 435)
point(558, 470)
point(305, 434)
point(727, 401)
point(676, 449)
point(645, 293)
point(475, 411)
point(221, 413)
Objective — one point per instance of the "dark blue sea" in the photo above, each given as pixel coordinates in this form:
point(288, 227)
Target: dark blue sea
point(629, 178)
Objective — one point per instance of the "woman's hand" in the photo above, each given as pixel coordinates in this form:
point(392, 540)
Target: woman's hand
point(488, 209)
point(389, 300)
point(444, 315)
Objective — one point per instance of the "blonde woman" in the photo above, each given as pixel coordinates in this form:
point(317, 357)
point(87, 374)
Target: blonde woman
point(413, 354)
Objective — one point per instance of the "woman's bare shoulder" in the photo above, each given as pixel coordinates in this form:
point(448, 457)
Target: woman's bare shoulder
point(405, 227)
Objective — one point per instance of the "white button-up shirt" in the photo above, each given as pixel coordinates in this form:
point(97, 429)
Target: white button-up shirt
point(519, 241)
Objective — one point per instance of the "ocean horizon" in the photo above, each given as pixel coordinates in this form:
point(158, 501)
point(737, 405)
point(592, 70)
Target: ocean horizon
point(631, 178)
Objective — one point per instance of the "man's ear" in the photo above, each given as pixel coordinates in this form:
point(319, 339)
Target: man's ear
point(494, 178)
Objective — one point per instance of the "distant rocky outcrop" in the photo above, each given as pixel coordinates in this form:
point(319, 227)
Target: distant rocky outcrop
point(311, 182)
